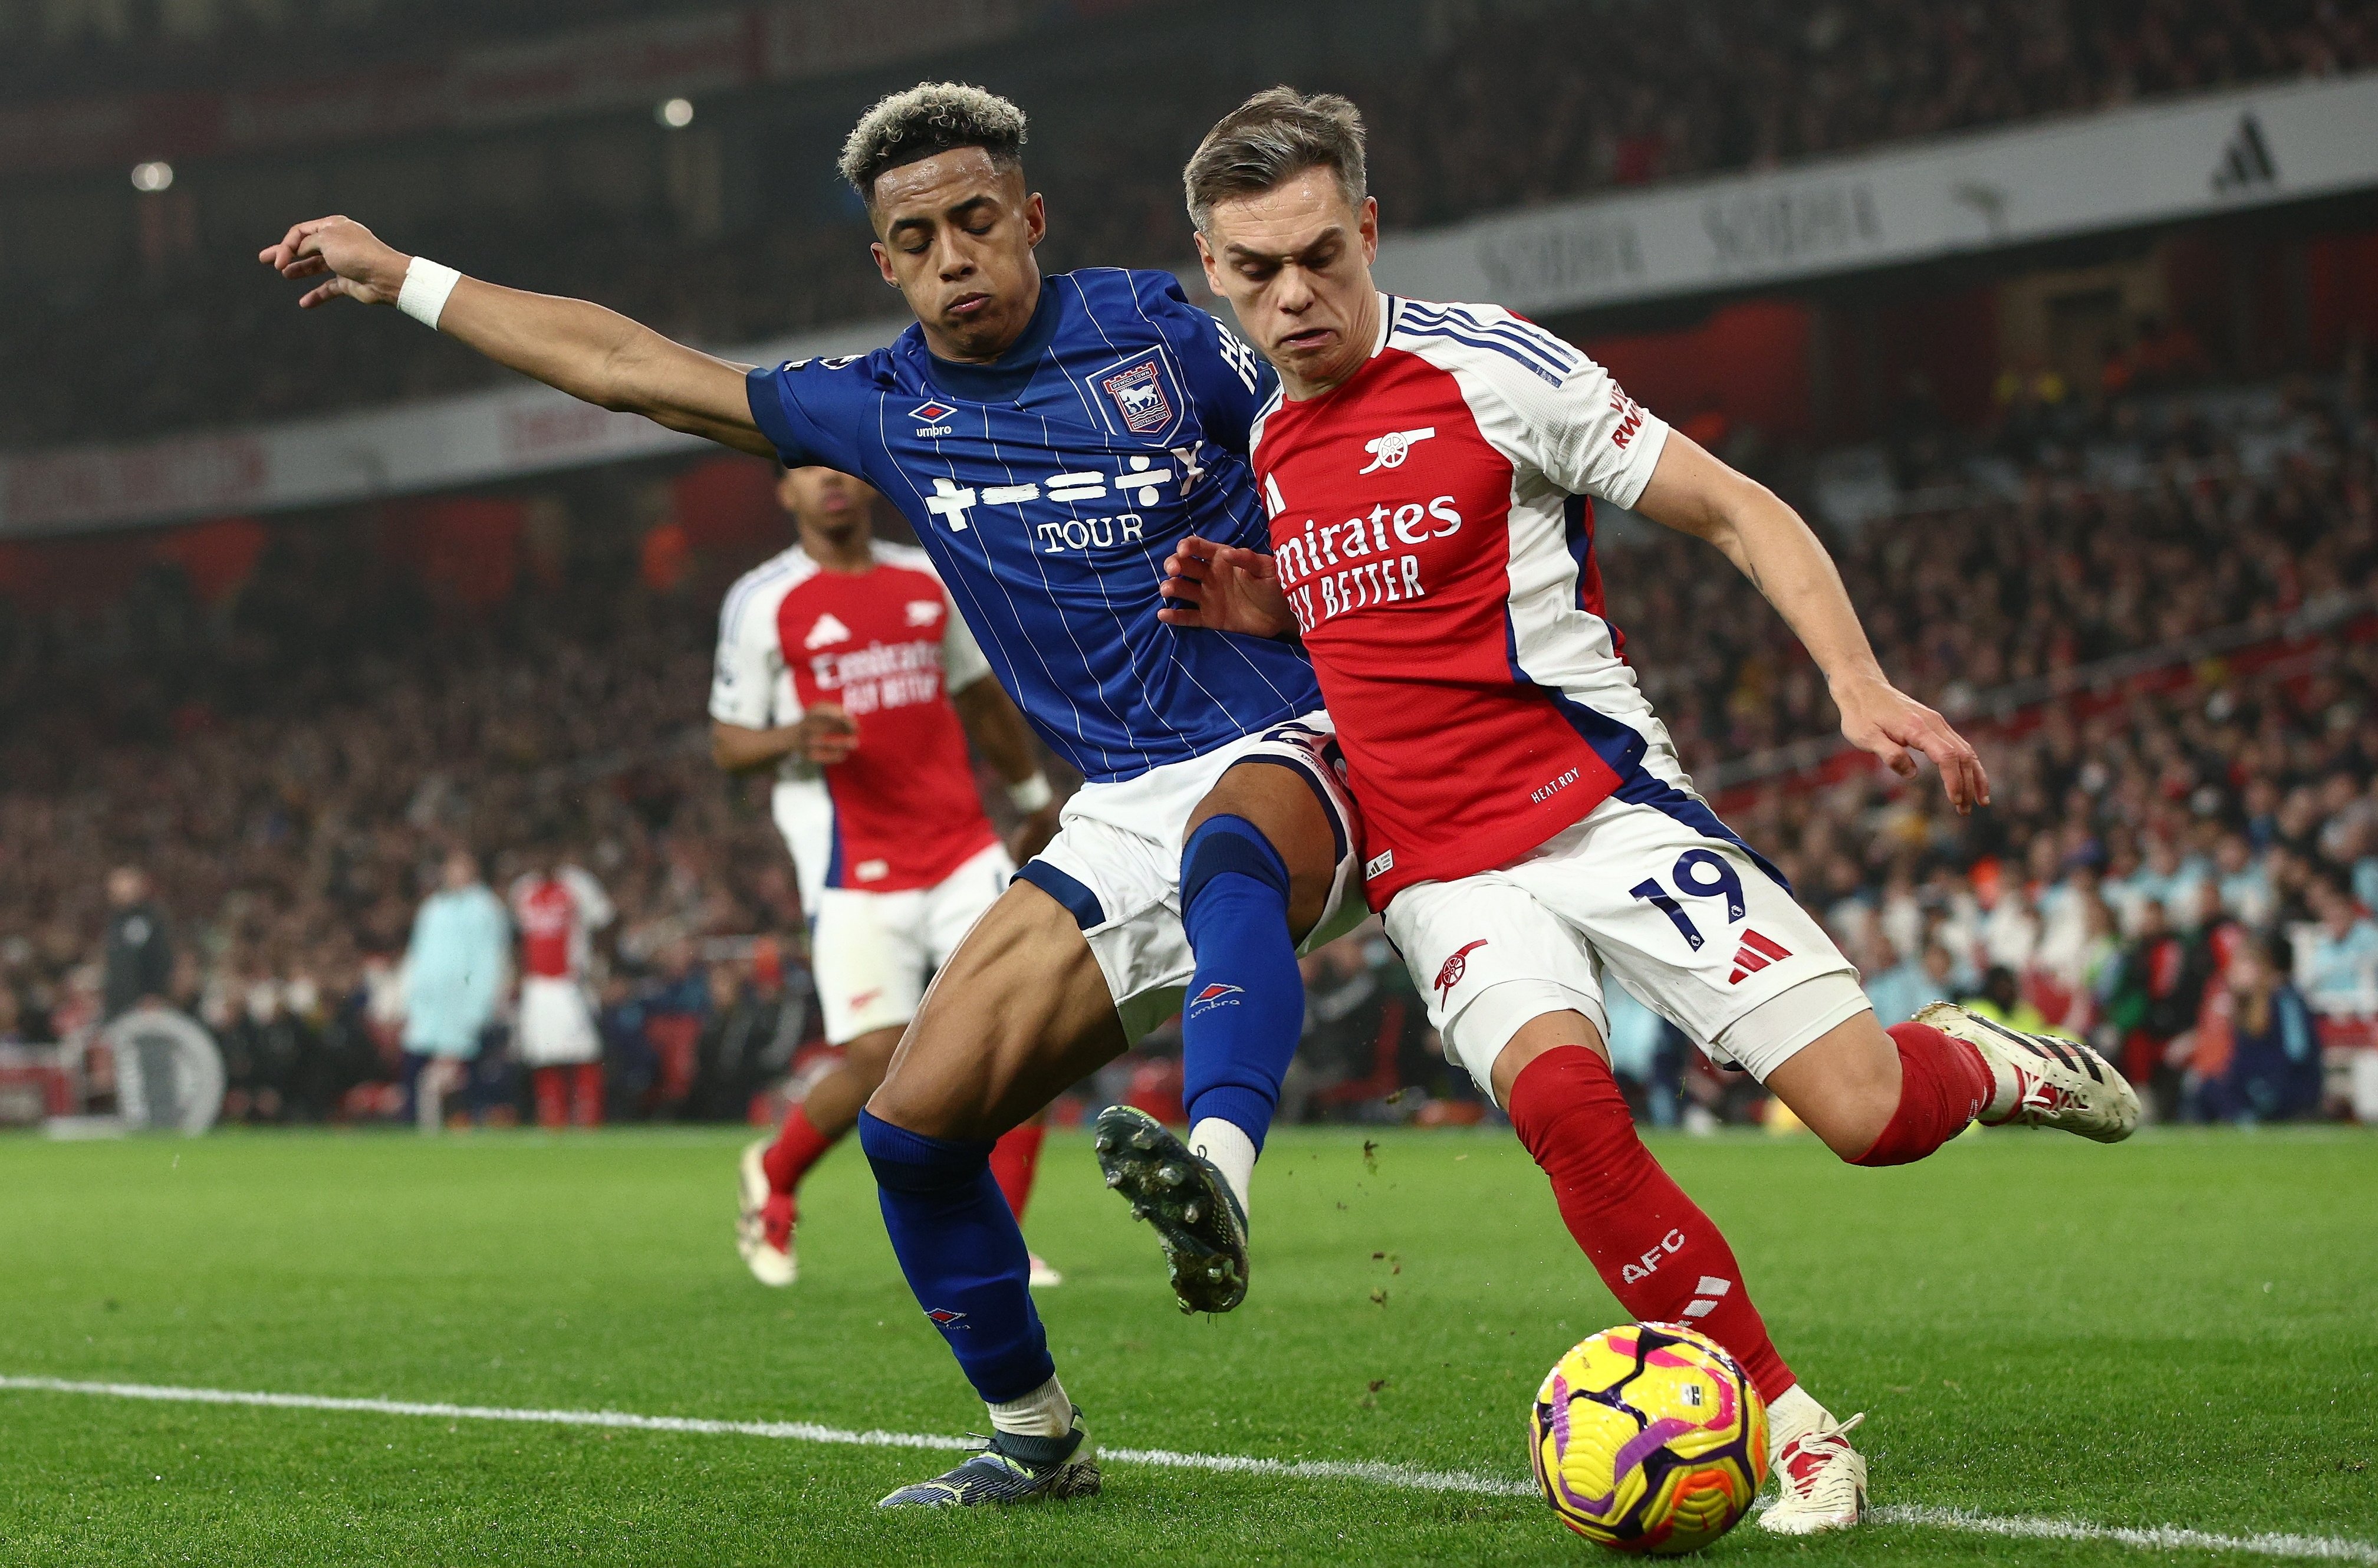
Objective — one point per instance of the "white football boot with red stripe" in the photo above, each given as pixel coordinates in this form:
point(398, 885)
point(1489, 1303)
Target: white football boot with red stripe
point(763, 1222)
point(2043, 1079)
point(1820, 1480)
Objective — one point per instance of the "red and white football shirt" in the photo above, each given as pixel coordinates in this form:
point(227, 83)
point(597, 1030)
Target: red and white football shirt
point(558, 915)
point(884, 645)
point(1432, 523)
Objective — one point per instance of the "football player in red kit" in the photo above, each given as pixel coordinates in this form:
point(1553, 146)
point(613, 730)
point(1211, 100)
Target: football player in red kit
point(842, 665)
point(557, 907)
point(1430, 472)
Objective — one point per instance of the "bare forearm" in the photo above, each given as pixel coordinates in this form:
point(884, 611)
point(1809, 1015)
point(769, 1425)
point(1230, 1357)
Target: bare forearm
point(572, 344)
point(1694, 493)
point(738, 750)
point(592, 354)
point(1787, 563)
point(602, 357)
point(997, 731)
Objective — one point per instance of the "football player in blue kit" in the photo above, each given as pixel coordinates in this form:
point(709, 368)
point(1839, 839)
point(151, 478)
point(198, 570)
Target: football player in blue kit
point(1051, 438)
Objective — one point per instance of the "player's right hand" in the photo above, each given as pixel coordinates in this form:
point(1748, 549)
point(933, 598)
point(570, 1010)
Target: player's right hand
point(1223, 588)
point(827, 734)
point(361, 268)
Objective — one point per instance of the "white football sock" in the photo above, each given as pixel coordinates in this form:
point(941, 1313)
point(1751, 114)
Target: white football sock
point(1045, 1412)
point(1789, 1414)
point(1233, 1151)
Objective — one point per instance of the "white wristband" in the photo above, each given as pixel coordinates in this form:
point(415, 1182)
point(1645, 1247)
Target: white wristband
point(426, 285)
point(1032, 794)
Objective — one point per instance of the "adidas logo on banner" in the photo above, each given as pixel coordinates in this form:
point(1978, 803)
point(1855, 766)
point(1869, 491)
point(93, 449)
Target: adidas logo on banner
point(2246, 162)
point(1755, 954)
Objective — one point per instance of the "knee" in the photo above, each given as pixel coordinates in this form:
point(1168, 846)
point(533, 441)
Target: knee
point(1564, 1104)
point(1229, 844)
point(936, 1088)
point(929, 1111)
point(906, 1159)
point(1861, 1105)
point(1843, 1085)
point(866, 1057)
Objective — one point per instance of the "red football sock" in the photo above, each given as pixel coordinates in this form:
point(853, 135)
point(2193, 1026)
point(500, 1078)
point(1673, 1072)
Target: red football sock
point(1656, 1249)
point(587, 1094)
point(796, 1148)
point(550, 1108)
point(1014, 1159)
point(1943, 1084)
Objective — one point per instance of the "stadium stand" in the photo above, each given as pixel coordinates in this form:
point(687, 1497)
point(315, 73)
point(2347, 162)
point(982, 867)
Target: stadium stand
point(602, 207)
point(283, 722)
point(2138, 566)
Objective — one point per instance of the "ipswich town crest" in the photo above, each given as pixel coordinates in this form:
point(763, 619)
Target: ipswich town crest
point(1138, 394)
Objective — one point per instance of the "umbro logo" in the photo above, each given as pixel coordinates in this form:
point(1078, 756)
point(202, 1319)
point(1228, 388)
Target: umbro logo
point(942, 1317)
point(1215, 996)
point(827, 630)
point(932, 410)
point(1390, 450)
point(1755, 954)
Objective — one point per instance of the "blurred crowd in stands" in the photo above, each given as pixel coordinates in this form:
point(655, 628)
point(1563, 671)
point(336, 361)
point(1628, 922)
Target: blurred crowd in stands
point(1618, 93)
point(2155, 619)
point(288, 763)
point(2148, 599)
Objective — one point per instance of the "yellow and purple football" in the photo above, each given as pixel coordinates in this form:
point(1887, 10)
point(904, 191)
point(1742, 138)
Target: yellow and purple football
point(1648, 1438)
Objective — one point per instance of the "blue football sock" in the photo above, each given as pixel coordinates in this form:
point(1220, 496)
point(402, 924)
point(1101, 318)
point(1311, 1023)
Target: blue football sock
point(958, 1243)
point(1246, 1002)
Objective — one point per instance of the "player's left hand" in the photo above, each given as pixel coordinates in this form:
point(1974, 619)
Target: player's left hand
point(1877, 717)
point(1032, 834)
point(1223, 588)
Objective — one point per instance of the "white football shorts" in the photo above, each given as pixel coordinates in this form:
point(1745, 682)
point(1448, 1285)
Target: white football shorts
point(874, 953)
point(1651, 888)
point(556, 1028)
point(1115, 863)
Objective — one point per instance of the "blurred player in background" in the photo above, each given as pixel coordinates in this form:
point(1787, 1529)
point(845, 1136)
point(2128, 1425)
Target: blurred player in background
point(842, 665)
point(558, 907)
point(1428, 469)
point(139, 956)
point(455, 971)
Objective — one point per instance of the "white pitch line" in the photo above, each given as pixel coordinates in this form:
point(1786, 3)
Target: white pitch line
point(2160, 1538)
point(1404, 1475)
point(2327, 1548)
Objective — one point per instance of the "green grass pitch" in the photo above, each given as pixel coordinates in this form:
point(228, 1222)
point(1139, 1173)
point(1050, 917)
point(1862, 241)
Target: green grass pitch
point(2180, 1332)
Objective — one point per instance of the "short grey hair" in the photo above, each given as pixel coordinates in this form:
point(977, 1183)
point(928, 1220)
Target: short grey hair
point(1278, 133)
point(931, 117)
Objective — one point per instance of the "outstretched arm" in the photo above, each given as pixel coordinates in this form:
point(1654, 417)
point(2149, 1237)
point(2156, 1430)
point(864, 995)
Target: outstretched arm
point(1694, 493)
point(593, 355)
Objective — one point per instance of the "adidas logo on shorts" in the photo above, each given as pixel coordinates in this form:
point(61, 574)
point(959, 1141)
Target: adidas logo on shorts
point(1755, 954)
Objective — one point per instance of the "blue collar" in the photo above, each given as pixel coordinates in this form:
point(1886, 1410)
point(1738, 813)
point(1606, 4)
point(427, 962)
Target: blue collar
point(1005, 378)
